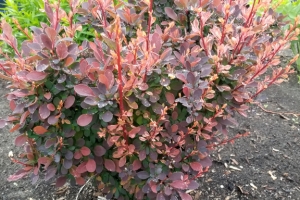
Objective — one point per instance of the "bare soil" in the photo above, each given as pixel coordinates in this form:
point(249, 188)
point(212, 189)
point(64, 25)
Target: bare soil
point(264, 165)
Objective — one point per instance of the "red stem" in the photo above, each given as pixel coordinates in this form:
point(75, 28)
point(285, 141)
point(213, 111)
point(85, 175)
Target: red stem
point(120, 79)
point(225, 22)
point(202, 36)
point(148, 35)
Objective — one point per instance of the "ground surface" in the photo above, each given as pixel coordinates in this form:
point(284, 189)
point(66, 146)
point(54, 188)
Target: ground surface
point(265, 165)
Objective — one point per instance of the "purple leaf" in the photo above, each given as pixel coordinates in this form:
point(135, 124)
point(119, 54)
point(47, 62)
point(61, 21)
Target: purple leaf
point(143, 175)
point(61, 181)
point(99, 150)
point(109, 165)
point(170, 97)
point(185, 196)
point(69, 102)
point(36, 76)
point(107, 117)
point(2, 123)
point(69, 155)
point(50, 142)
point(46, 41)
point(196, 166)
point(176, 176)
point(84, 119)
point(179, 184)
point(84, 90)
point(157, 108)
point(160, 196)
point(51, 171)
point(67, 163)
point(44, 111)
point(170, 12)
point(136, 165)
point(52, 120)
point(206, 162)
point(92, 101)
point(193, 185)
point(20, 140)
point(62, 50)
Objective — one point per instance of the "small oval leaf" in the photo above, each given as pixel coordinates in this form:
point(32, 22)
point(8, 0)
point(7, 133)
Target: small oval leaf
point(84, 119)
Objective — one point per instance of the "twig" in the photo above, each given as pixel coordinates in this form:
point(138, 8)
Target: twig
point(278, 113)
point(84, 186)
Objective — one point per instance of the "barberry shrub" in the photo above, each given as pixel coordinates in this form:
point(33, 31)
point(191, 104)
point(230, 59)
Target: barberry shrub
point(141, 107)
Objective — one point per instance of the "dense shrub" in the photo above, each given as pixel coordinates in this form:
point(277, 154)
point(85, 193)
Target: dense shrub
point(142, 106)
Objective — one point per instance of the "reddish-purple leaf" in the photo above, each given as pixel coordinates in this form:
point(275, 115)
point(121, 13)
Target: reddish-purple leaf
point(206, 162)
point(36, 76)
point(50, 106)
point(157, 108)
point(51, 171)
point(99, 150)
point(2, 123)
point(176, 176)
point(160, 196)
point(17, 175)
point(69, 102)
point(84, 119)
point(170, 97)
point(50, 142)
point(136, 165)
point(193, 185)
point(133, 132)
point(80, 181)
point(77, 155)
point(170, 12)
point(196, 166)
point(143, 175)
point(91, 165)
point(122, 161)
point(51, 33)
point(85, 151)
point(81, 168)
point(142, 155)
point(185, 196)
point(52, 120)
point(20, 140)
point(107, 116)
point(61, 181)
point(62, 50)
point(84, 90)
point(49, 11)
point(179, 184)
point(110, 165)
point(46, 41)
point(44, 111)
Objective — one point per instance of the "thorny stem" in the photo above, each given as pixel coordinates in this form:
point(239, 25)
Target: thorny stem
point(272, 54)
point(251, 13)
point(103, 17)
point(120, 77)
point(21, 29)
point(148, 34)
point(225, 22)
point(202, 35)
